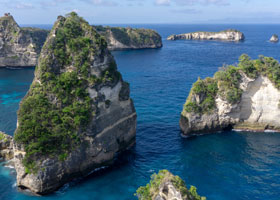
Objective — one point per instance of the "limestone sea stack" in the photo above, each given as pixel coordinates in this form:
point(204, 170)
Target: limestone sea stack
point(77, 115)
point(274, 38)
point(166, 186)
point(244, 97)
point(226, 35)
point(119, 38)
point(19, 47)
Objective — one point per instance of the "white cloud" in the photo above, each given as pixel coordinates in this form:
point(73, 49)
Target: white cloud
point(192, 2)
point(163, 2)
point(17, 5)
point(102, 2)
point(185, 11)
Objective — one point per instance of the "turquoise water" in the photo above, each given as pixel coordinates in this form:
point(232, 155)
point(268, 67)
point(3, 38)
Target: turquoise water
point(223, 166)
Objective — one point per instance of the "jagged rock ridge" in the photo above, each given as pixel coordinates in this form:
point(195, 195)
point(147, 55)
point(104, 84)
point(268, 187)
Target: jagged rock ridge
point(166, 186)
point(130, 38)
point(19, 47)
point(77, 115)
point(226, 35)
point(245, 97)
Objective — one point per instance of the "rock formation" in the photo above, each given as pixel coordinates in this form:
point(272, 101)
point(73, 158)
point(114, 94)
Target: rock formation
point(274, 38)
point(6, 146)
point(226, 35)
point(19, 47)
point(77, 115)
point(166, 186)
point(243, 97)
point(130, 38)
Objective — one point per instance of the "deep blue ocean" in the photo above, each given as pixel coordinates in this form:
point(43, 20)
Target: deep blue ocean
point(223, 166)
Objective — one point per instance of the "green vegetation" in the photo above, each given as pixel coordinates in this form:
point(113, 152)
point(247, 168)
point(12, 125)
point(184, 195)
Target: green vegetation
point(57, 109)
point(131, 36)
point(149, 191)
point(228, 79)
point(3, 137)
point(226, 83)
point(206, 90)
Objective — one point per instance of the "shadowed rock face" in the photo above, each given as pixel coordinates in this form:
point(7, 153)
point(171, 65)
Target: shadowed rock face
point(274, 38)
point(77, 115)
point(6, 146)
point(19, 47)
point(130, 38)
point(251, 104)
point(227, 35)
point(166, 186)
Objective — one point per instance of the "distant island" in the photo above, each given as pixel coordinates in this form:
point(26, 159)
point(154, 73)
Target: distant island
point(166, 186)
point(19, 47)
point(226, 35)
point(119, 38)
point(243, 97)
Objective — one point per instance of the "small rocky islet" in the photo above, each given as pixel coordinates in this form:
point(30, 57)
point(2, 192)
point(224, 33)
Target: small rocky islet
point(226, 35)
point(274, 38)
point(244, 97)
point(166, 186)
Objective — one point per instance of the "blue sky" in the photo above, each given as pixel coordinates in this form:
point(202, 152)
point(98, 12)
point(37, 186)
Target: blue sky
point(146, 11)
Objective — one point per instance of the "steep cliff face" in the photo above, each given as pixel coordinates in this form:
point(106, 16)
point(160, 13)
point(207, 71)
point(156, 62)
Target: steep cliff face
point(19, 47)
point(77, 115)
point(246, 97)
point(166, 186)
point(227, 35)
point(130, 38)
point(274, 38)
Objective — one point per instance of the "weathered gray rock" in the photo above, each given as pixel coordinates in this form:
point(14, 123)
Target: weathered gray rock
point(6, 146)
point(19, 47)
point(108, 126)
point(274, 38)
point(241, 100)
point(130, 38)
point(227, 35)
